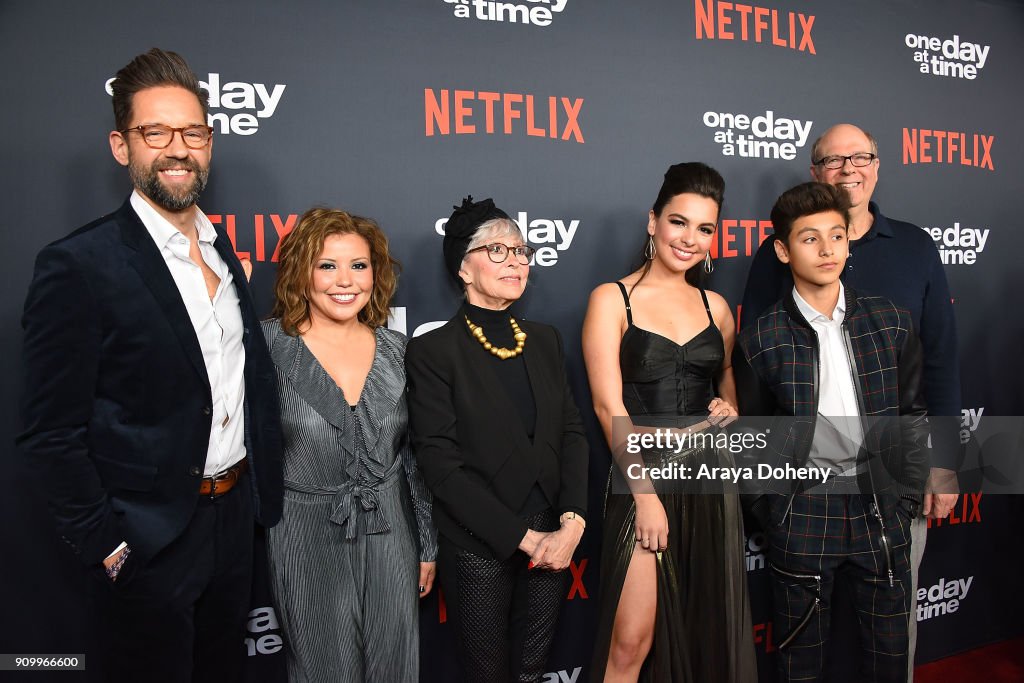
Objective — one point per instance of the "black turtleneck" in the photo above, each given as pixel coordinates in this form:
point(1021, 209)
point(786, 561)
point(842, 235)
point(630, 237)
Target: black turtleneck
point(515, 380)
point(511, 372)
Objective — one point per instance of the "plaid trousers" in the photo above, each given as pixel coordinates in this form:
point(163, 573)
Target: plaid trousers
point(826, 535)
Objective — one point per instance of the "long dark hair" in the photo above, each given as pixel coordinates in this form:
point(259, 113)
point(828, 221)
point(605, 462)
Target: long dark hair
point(691, 177)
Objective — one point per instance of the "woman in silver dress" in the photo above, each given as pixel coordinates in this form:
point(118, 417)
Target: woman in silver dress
point(356, 545)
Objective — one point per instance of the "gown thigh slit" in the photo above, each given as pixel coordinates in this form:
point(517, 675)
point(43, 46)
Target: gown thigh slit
point(702, 632)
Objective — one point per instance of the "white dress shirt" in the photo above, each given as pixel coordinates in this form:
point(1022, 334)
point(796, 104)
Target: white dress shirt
point(838, 434)
point(218, 326)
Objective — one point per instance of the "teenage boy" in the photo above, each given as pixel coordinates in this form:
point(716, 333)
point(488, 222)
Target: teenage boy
point(843, 371)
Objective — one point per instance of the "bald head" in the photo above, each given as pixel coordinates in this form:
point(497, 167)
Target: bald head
point(846, 141)
point(842, 131)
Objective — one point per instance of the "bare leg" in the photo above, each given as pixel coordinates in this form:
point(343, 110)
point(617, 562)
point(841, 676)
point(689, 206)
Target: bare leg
point(633, 631)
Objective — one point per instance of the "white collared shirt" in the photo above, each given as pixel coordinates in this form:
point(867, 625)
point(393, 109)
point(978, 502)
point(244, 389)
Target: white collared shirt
point(218, 327)
point(839, 434)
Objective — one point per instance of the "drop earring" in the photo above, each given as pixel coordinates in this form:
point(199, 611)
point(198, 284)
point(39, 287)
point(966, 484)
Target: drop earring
point(709, 265)
point(650, 250)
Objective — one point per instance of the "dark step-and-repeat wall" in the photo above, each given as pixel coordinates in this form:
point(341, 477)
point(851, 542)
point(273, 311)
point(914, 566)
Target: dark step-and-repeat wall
point(567, 112)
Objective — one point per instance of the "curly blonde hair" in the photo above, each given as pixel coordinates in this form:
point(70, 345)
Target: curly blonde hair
point(300, 249)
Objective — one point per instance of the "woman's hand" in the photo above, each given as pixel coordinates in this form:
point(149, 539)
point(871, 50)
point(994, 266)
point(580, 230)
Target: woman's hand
point(721, 412)
point(651, 522)
point(428, 570)
point(530, 541)
point(555, 551)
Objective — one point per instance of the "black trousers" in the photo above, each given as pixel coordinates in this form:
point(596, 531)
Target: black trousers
point(179, 616)
point(503, 613)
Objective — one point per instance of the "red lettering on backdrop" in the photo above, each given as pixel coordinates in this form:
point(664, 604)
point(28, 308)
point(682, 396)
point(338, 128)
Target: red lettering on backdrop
point(966, 511)
point(940, 136)
point(462, 111)
point(577, 579)
point(909, 146)
point(763, 636)
point(728, 237)
point(572, 111)
point(776, 40)
point(436, 113)
point(439, 114)
point(283, 224)
point(986, 143)
point(739, 237)
point(711, 23)
point(760, 25)
point(261, 249)
point(724, 21)
point(508, 99)
point(924, 158)
point(282, 229)
point(531, 129)
point(489, 99)
point(806, 22)
point(744, 11)
point(229, 228)
point(705, 24)
point(924, 146)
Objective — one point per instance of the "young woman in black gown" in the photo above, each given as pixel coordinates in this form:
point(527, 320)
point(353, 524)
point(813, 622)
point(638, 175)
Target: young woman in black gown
point(673, 605)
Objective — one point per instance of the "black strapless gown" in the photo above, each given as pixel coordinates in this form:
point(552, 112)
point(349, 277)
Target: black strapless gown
point(703, 631)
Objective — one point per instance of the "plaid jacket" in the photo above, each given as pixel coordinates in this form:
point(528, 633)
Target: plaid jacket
point(776, 364)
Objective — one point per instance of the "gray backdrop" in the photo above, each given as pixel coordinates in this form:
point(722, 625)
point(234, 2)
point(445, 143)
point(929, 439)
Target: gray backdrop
point(375, 116)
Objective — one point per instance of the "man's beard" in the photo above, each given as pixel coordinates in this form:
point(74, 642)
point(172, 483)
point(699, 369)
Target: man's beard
point(179, 199)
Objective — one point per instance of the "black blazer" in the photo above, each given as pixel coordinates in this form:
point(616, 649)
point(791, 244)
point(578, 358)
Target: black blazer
point(116, 401)
point(471, 444)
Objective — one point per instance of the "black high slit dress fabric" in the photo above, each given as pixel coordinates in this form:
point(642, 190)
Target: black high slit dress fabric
point(703, 631)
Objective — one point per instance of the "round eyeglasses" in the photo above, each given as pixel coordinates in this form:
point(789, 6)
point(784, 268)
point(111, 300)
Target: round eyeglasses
point(860, 159)
point(498, 252)
point(159, 136)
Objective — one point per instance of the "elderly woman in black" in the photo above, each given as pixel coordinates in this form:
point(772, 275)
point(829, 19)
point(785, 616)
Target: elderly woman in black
point(501, 446)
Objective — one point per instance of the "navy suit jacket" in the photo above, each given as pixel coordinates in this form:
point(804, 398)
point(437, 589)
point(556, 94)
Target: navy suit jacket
point(116, 401)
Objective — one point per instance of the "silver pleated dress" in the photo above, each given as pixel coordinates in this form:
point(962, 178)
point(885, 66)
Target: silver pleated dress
point(344, 560)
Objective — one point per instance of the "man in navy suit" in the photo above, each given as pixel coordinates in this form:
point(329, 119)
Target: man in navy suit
point(150, 410)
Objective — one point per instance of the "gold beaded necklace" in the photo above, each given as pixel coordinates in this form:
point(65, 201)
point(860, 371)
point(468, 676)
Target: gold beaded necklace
point(502, 353)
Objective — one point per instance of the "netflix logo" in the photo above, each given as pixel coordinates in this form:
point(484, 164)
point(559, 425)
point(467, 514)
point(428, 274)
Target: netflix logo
point(924, 146)
point(470, 112)
point(751, 23)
